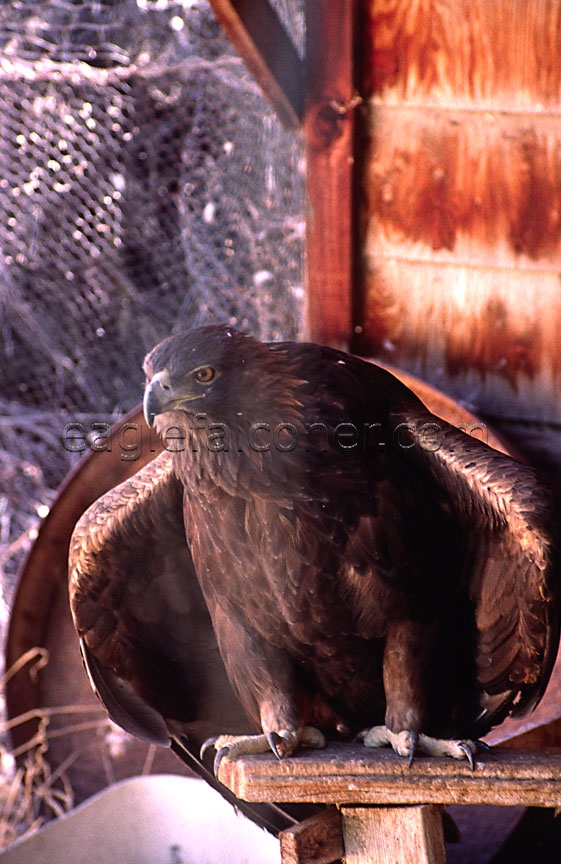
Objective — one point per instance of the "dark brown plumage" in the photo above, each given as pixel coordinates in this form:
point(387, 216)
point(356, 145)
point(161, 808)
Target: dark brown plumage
point(364, 564)
point(145, 633)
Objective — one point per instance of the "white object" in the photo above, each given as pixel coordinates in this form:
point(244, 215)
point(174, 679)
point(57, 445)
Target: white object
point(159, 819)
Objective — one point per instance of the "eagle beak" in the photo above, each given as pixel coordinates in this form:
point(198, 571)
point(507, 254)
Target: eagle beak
point(158, 396)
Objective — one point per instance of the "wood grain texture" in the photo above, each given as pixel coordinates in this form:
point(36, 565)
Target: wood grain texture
point(393, 835)
point(487, 336)
point(482, 183)
point(350, 774)
point(329, 132)
point(460, 178)
point(472, 48)
point(317, 840)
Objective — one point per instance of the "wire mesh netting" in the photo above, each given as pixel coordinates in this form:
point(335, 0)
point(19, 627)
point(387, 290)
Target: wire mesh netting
point(145, 186)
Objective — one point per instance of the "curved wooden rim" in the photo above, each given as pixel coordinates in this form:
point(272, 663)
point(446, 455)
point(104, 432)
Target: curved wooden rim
point(44, 572)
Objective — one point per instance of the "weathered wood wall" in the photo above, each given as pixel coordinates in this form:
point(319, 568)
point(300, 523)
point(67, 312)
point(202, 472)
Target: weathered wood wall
point(433, 146)
point(459, 202)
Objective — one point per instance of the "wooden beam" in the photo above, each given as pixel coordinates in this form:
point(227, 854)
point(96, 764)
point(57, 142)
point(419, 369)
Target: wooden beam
point(329, 131)
point(268, 52)
point(317, 840)
point(393, 835)
point(349, 774)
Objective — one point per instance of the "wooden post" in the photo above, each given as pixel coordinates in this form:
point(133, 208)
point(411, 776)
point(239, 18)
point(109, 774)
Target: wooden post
point(324, 84)
point(329, 131)
point(393, 835)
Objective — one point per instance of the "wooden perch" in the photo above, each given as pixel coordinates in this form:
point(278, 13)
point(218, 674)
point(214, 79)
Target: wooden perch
point(351, 774)
point(390, 812)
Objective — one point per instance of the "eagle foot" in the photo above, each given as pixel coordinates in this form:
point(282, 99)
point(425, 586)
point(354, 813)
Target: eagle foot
point(408, 743)
point(282, 743)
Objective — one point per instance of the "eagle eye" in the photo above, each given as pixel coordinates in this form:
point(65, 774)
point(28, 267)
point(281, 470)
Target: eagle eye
point(204, 375)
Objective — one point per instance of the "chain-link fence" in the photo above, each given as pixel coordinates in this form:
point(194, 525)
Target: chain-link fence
point(145, 186)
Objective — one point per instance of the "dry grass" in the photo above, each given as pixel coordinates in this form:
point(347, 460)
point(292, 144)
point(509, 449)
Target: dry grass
point(30, 792)
point(29, 795)
point(34, 791)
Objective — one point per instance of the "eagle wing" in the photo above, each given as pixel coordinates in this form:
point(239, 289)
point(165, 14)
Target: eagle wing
point(511, 556)
point(145, 633)
point(143, 625)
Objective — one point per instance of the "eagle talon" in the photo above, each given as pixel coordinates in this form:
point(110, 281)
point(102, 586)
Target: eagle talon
point(206, 745)
point(283, 744)
point(413, 742)
point(464, 746)
point(274, 740)
point(407, 743)
point(224, 751)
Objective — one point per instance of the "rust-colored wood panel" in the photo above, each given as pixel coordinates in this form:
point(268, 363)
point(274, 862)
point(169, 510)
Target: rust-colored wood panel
point(465, 49)
point(481, 184)
point(460, 203)
point(329, 130)
point(490, 337)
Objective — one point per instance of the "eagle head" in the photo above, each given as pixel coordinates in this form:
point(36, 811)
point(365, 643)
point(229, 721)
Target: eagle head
point(221, 372)
point(189, 371)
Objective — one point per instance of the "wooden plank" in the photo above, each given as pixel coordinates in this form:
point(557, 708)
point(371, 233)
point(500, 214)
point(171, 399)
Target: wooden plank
point(481, 183)
point(485, 336)
point(439, 50)
point(268, 52)
point(351, 774)
point(317, 840)
point(329, 130)
point(460, 190)
point(393, 835)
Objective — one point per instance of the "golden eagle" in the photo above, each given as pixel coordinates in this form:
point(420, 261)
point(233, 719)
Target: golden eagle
point(367, 567)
